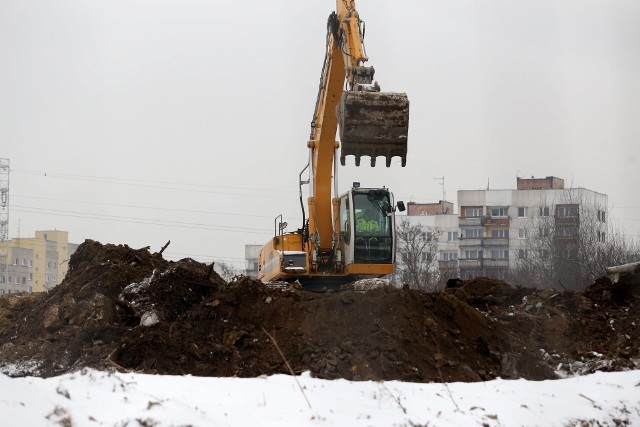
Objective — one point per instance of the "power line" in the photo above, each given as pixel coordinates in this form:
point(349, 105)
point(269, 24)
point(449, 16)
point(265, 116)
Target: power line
point(134, 220)
point(154, 184)
point(146, 207)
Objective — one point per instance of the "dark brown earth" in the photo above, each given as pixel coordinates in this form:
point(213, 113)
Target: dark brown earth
point(103, 316)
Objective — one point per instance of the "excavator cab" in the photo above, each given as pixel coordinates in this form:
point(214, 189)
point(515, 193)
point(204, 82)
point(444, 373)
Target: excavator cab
point(367, 224)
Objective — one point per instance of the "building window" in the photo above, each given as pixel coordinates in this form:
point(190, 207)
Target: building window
point(601, 216)
point(473, 212)
point(567, 211)
point(545, 231)
point(24, 261)
point(30, 263)
point(500, 232)
point(544, 211)
point(473, 233)
point(522, 212)
point(567, 231)
point(1, 279)
point(523, 253)
point(427, 256)
point(24, 280)
point(17, 280)
point(544, 253)
point(499, 212)
point(472, 254)
point(449, 256)
point(523, 233)
point(500, 253)
point(30, 276)
point(17, 261)
point(452, 236)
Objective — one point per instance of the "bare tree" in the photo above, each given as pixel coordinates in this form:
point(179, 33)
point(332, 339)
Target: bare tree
point(416, 257)
point(570, 246)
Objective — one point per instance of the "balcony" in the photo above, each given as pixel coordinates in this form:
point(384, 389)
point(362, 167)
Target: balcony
point(448, 265)
point(495, 241)
point(483, 263)
point(567, 220)
point(470, 263)
point(469, 241)
point(495, 220)
point(470, 222)
point(496, 262)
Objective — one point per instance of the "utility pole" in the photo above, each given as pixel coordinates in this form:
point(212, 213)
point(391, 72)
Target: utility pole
point(4, 222)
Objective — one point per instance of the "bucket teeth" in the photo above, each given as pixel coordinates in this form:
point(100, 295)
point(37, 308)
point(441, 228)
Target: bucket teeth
point(373, 124)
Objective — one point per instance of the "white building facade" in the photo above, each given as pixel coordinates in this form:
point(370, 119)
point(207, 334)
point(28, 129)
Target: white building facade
point(497, 227)
point(438, 239)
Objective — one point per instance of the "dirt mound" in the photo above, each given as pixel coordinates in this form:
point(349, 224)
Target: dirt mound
point(130, 309)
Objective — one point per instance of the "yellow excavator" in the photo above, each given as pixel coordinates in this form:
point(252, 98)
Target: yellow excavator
point(352, 236)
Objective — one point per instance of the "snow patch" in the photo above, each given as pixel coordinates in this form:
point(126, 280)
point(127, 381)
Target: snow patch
point(21, 369)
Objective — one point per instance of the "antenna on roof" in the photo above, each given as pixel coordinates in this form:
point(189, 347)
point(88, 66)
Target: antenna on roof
point(444, 194)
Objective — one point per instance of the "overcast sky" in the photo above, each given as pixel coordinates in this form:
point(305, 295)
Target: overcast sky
point(142, 121)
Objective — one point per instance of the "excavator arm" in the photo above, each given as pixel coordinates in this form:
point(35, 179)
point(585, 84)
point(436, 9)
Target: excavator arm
point(372, 123)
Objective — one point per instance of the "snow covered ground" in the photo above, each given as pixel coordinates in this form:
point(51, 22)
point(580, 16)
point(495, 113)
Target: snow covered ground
point(96, 398)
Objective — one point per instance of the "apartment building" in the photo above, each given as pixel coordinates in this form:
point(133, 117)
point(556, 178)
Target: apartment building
point(251, 260)
point(497, 227)
point(438, 226)
point(36, 264)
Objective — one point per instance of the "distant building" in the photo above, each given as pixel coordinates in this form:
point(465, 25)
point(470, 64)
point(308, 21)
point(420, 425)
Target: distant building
point(36, 264)
point(439, 223)
point(440, 208)
point(498, 226)
point(251, 258)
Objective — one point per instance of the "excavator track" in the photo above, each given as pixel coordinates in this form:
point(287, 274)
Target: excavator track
point(373, 124)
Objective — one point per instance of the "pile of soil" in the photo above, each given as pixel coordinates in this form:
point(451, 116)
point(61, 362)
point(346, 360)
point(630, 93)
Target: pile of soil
point(130, 309)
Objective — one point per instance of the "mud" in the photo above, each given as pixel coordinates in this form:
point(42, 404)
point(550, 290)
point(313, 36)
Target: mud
point(129, 309)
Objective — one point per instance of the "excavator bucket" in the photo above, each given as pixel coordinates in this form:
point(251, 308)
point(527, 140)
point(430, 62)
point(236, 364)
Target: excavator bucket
point(373, 124)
